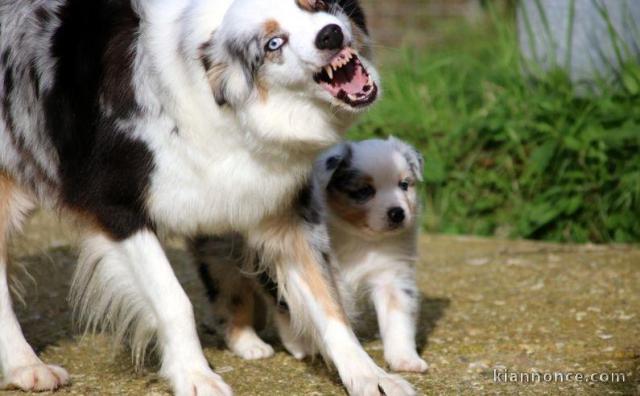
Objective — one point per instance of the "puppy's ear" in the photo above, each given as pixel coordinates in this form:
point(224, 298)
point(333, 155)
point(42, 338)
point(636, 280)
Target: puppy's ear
point(337, 157)
point(412, 155)
point(230, 72)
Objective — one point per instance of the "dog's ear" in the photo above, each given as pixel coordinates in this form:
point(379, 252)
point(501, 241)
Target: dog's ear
point(313, 5)
point(231, 68)
point(331, 161)
point(412, 155)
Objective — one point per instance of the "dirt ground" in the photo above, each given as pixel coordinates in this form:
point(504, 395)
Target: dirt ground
point(487, 304)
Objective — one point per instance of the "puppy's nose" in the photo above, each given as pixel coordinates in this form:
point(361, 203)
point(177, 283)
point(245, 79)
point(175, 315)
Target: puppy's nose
point(396, 215)
point(330, 38)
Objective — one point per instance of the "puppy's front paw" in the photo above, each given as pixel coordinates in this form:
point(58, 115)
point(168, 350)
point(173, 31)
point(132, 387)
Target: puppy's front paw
point(200, 383)
point(251, 348)
point(409, 362)
point(36, 378)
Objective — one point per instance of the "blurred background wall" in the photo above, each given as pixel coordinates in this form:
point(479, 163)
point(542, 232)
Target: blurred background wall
point(414, 22)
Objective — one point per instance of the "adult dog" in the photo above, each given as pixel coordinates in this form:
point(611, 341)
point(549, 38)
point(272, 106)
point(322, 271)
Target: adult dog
point(145, 116)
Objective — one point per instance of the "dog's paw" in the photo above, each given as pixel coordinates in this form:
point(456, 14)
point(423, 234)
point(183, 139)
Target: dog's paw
point(409, 362)
point(297, 349)
point(36, 378)
point(200, 383)
point(252, 348)
point(382, 384)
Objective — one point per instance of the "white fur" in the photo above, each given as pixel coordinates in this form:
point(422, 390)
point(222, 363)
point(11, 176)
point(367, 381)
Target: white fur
point(130, 287)
point(379, 261)
point(20, 366)
point(227, 169)
point(375, 260)
point(216, 169)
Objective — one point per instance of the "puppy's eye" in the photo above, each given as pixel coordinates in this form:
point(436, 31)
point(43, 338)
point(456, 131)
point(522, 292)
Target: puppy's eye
point(363, 193)
point(274, 44)
point(404, 185)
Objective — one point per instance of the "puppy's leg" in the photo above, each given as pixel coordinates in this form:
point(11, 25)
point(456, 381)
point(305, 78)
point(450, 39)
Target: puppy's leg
point(21, 368)
point(298, 345)
point(129, 286)
point(230, 293)
point(300, 254)
point(241, 335)
point(395, 297)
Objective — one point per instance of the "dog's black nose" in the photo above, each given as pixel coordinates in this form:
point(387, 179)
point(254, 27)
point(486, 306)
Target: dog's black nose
point(330, 38)
point(396, 215)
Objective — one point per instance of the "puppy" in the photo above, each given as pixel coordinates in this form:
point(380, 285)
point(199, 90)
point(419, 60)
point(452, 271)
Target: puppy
point(368, 194)
point(141, 118)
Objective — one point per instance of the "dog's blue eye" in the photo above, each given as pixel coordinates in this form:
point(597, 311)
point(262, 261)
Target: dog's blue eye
point(274, 44)
point(404, 185)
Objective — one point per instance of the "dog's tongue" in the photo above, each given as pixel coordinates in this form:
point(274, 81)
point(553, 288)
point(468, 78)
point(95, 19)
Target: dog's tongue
point(357, 83)
point(351, 79)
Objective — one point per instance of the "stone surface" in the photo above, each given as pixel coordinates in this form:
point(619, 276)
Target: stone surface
point(487, 304)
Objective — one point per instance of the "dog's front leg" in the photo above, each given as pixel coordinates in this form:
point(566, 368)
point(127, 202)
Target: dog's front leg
point(299, 252)
point(133, 277)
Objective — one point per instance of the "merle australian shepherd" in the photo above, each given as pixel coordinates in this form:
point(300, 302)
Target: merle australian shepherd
point(140, 117)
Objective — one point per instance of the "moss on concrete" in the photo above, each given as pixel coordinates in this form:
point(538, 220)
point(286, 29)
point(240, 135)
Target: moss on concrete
point(487, 304)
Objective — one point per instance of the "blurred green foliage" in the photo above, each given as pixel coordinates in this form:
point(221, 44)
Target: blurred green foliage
point(508, 155)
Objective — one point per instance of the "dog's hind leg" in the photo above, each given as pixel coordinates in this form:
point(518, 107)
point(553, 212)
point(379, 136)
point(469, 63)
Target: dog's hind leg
point(231, 294)
point(21, 368)
point(129, 286)
point(298, 345)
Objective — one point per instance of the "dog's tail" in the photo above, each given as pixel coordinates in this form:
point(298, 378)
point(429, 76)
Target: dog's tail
point(104, 298)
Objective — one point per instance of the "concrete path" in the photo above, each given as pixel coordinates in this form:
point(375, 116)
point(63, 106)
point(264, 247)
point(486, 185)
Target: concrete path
point(487, 304)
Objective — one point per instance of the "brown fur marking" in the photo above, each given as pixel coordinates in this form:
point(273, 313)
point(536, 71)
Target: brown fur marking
point(242, 311)
point(342, 205)
point(313, 5)
point(286, 237)
point(271, 27)
point(6, 187)
point(263, 91)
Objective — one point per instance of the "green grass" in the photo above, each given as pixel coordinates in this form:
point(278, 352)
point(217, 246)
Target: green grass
point(509, 156)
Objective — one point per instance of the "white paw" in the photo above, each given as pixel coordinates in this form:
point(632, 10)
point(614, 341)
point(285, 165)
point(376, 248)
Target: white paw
point(251, 348)
point(200, 383)
point(38, 377)
point(297, 349)
point(409, 362)
point(380, 384)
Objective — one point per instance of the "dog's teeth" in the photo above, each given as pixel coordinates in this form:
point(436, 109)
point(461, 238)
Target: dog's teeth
point(329, 71)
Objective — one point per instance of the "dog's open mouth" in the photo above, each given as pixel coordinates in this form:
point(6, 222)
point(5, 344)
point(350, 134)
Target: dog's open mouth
point(346, 79)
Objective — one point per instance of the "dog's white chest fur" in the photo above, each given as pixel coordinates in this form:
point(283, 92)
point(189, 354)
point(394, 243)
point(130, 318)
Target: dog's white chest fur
point(216, 185)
